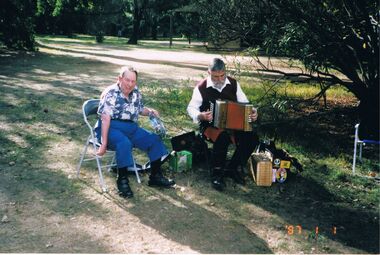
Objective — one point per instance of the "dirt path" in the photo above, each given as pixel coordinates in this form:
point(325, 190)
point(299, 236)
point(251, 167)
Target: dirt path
point(178, 64)
point(155, 63)
point(44, 208)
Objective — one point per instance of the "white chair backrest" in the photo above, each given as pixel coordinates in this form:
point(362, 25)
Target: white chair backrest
point(90, 107)
point(366, 138)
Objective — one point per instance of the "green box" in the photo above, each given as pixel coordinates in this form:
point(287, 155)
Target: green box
point(181, 161)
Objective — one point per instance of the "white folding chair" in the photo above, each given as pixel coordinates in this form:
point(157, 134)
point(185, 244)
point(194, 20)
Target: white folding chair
point(89, 108)
point(360, 142)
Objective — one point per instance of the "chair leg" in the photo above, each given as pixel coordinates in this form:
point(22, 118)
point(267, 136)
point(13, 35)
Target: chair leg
point(136, 171)
point(82, 157)
point(354, 160)
point(206, 153)
point(101, 179)
point(111, 162)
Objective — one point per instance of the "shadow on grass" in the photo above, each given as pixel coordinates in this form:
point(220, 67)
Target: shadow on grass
point(325, 218)
point(328, 132)
point(350, 204)
point(33, 119)
point(304, 202)
point(40, 201)
point(190, 224)
point(37, 119)
point(42, 206)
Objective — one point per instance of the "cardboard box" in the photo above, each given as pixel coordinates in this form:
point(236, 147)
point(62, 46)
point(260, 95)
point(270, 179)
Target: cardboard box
point(181, 161)
point(260, 166)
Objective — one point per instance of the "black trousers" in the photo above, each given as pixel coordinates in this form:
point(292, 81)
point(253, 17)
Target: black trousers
point(245, 142)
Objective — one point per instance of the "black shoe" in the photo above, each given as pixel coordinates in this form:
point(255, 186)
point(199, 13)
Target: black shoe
point(236, 176)
point(123, 187)
point(160, 181)
point(218, 183)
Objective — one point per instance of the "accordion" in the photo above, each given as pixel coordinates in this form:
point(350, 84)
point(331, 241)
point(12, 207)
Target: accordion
point(231, 115)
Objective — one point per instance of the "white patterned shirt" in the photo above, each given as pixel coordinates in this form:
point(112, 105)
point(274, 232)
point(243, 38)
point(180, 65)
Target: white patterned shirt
point(119, 107)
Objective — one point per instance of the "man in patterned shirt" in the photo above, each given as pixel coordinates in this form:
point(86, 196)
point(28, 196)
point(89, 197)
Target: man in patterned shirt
point(118, 129)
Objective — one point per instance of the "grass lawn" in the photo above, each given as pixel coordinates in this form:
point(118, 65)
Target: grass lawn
point(44, 208)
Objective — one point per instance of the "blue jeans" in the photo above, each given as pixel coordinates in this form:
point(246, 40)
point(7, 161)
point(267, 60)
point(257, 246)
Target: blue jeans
point(124, 135)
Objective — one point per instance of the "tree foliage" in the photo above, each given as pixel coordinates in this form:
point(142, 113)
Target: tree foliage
point(21, 19)
point(16, 23)
point(152, 13)
point(94, 17)
point(231, 20)
point(330, 37)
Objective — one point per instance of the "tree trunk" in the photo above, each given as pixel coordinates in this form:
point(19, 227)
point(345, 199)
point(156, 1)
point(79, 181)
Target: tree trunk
point(136, 23)
point(154, 28)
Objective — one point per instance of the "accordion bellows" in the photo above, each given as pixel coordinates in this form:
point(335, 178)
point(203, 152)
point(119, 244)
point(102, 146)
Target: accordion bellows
point(231, 115)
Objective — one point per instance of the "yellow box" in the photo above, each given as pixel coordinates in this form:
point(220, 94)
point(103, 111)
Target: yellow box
point(285, 164)
point(261, 169)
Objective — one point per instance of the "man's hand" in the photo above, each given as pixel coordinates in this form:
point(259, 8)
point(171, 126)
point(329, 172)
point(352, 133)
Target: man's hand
point(150, 111)
point(102, 150)
point(154, 112)
point(205, 116)
point(253, 115)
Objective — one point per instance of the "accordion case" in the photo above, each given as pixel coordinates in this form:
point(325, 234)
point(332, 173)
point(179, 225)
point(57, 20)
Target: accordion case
point(260, 166)
point(183, 141)
point(231, 115)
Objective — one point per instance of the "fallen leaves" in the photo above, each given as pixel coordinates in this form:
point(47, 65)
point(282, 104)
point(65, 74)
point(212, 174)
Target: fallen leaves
point(5, 219)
